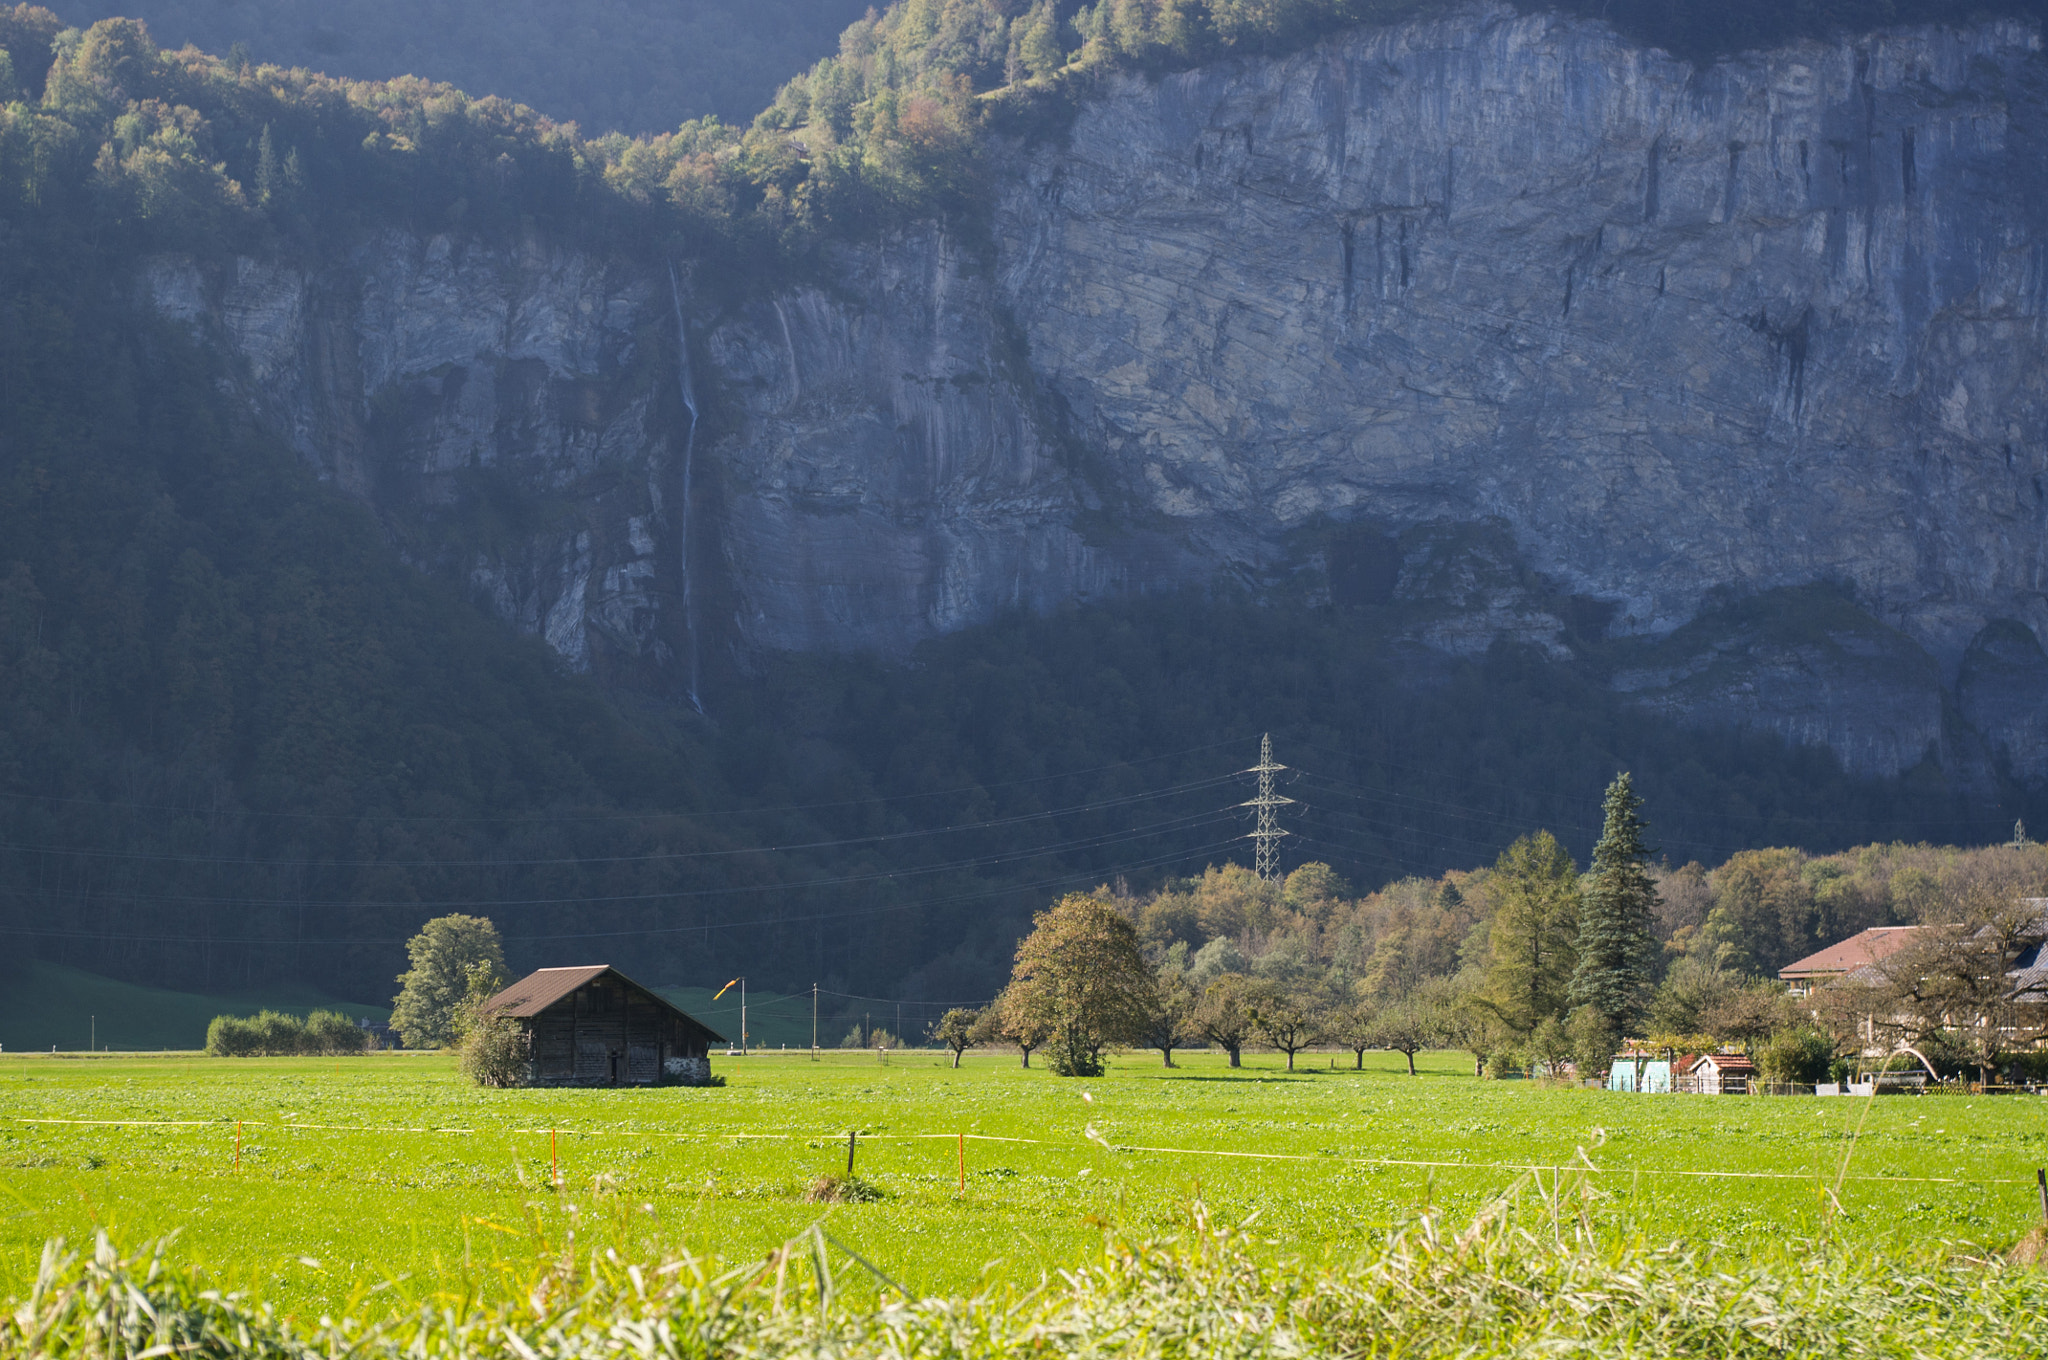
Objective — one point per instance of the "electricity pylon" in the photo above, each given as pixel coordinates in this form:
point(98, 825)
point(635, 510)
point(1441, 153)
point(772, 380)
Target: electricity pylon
point(1266, 862)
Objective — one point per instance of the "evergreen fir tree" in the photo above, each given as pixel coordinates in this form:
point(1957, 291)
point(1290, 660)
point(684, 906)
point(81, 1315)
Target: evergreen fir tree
point(1535, 921)
point(1616, 938)
point(266, 168)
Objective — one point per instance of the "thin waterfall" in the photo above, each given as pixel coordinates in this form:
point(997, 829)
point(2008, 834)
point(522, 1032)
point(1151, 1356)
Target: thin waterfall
point(675, 292)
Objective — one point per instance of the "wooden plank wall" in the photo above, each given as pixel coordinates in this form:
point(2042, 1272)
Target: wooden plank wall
point(576, 1040)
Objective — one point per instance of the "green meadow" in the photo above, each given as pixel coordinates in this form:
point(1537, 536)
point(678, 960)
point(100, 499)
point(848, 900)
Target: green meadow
point(309, 1181)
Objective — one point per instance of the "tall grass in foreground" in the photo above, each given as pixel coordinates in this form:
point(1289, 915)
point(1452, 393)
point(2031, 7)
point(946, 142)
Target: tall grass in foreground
point(1510, 1284)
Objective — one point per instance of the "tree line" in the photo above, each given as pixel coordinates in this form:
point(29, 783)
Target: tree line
point(621, 65)
point(277, 1034)
point(214, 153)
point(1534, 967)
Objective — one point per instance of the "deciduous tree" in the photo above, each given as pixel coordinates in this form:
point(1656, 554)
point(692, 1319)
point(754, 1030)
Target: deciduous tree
point(1225, 1015)
point(1961, 981)
point(1550, 1044)
point(1695, 988)
point(1284, 1020)
point(1594, 1042)
point(1354, 1025)
point(442, 954)
point(1171, 1024)
point(1081, 981)
point(1407, 1026)
point(959, 1029)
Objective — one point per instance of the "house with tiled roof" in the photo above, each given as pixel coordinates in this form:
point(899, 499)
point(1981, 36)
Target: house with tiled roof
point(1861, 950)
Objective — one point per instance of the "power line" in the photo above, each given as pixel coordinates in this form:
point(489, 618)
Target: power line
point(663, 856)
point(662, 814)
point(1092, 842)
point(1004, 890)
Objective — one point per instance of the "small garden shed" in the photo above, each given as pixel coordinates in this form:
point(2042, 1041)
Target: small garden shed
point(1723, 1074)
point(594, 1026)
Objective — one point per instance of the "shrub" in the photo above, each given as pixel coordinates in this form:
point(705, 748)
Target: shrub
point(493, 1051)
point(1795, 1055)
point(274, 1034)
point(279, 1034)
point(1504, 1062)
point(230, 1036)
point(332, 1033)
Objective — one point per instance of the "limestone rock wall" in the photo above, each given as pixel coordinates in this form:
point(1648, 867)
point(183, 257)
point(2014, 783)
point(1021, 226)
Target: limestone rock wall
point(1750, 327)
point(1554, 319)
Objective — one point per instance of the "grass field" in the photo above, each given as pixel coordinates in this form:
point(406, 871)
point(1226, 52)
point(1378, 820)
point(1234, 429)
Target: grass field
point(355, 1172)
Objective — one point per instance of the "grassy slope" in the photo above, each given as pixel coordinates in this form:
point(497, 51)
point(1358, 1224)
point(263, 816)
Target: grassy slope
point(388, 1166)
point(48, 1005)
point(774, 1019)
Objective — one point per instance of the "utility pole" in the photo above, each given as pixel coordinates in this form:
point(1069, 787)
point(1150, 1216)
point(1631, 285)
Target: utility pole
point(1266, 862)
point(741, 983)
point(814, 1022)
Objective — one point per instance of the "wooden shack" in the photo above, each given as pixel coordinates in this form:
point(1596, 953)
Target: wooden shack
point(1724, 1074)
point(594, 1026)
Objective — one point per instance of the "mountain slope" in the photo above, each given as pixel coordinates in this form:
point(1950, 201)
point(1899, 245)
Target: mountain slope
point(1576, 340)
point(1188, 413)
point(609, 65)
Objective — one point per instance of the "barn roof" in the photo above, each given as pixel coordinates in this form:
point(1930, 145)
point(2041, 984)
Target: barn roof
point(539, 990)
point(544, 987)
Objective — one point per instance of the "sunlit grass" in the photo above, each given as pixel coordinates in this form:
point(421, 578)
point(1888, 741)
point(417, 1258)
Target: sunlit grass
point(358, 1172)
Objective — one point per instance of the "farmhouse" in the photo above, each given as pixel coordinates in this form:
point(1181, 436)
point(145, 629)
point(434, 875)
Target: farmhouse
point(594, 1026)
point(1859, 951)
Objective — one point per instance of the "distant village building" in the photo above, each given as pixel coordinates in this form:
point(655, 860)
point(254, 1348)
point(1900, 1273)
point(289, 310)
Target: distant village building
point(594, 1026)
point(1862, 958)
point(1862, 950)
point(1705, 1074)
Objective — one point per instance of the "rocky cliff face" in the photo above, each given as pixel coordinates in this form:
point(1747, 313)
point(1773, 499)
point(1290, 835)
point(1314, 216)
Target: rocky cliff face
point(1563, 330)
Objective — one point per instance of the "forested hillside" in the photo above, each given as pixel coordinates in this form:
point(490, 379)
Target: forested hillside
point(243, 740)
point(611, 65)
